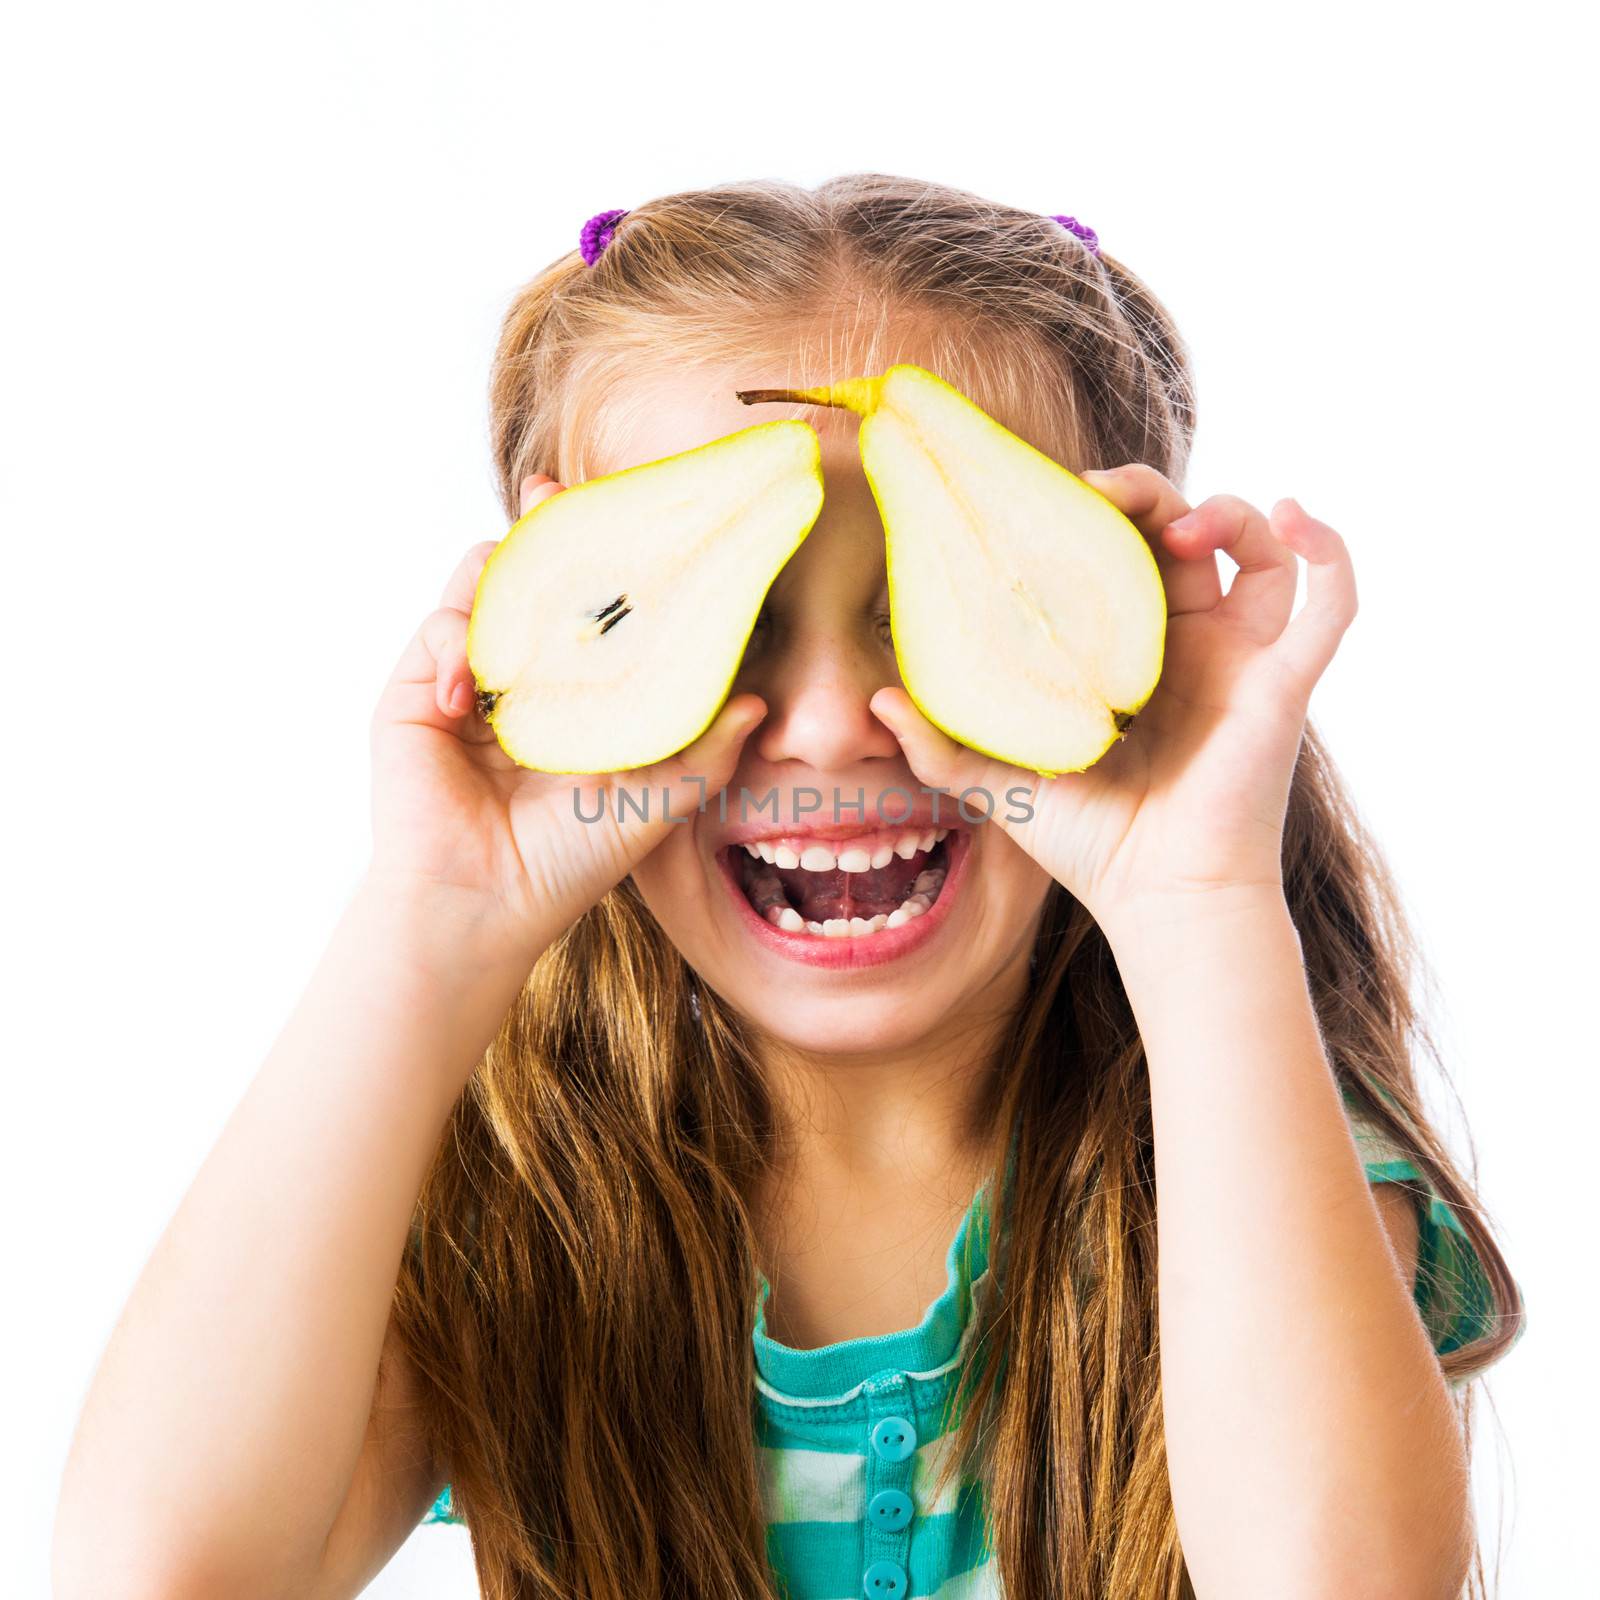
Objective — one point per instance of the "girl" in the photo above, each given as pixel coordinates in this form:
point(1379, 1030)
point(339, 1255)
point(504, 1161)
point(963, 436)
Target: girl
point(679, 1253)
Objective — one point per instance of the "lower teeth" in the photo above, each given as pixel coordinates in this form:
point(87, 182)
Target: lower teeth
point(924, 892)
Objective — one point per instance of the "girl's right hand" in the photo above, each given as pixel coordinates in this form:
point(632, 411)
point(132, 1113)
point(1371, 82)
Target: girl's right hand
point(457, 821)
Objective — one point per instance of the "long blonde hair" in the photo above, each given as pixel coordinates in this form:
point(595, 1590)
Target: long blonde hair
point(580, 1289)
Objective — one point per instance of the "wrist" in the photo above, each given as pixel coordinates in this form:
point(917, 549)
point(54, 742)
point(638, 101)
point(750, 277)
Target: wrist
point(1168, 921)
point(408, 994)
point(1209, 975)
point(444, 928)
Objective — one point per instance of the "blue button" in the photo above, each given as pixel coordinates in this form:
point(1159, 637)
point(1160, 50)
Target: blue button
point(894, 1438)
point(889, 1509)
point(884, 1580)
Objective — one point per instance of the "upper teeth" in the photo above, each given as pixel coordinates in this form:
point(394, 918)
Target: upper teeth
point(816, 857)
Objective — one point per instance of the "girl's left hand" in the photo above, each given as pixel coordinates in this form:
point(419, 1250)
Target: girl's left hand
point(1192, 798)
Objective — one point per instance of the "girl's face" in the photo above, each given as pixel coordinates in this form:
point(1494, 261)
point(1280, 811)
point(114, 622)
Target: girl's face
point(820, 792)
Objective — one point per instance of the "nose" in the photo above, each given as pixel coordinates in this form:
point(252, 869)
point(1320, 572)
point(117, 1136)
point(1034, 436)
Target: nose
point(817, 712)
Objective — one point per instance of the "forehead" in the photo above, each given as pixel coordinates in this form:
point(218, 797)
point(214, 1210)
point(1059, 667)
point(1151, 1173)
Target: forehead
point(643, 409)
point(660, 413)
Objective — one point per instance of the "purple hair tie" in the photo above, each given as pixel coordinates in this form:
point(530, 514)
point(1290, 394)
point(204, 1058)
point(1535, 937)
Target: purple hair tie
point(599, 229)
point(596, 235)
point(1091, 239)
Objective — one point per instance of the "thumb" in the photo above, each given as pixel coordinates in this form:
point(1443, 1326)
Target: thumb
point(700, 769)
point(934, 757)
point(981, 785)
point(721, 743)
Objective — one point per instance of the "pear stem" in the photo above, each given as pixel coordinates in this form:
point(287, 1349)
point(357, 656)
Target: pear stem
point(860, 395)
point(799, 397)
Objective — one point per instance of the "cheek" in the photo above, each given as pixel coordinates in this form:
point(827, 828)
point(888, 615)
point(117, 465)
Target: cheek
point(672, 884)
point(1010, 878)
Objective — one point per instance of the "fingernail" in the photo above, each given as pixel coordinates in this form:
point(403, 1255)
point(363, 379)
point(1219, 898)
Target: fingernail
point(1190, 519)
point(460, 697)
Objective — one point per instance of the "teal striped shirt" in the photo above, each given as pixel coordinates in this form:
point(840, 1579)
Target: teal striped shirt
point(851, 1435)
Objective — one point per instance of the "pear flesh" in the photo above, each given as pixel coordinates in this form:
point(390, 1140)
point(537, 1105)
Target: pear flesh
point(610, 622)
point(1028, 612)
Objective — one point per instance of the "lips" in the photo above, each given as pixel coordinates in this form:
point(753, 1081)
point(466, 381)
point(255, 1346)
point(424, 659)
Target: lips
point(852, 901)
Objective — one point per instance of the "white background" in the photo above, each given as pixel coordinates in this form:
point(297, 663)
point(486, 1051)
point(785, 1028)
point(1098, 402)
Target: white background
point(256, 261)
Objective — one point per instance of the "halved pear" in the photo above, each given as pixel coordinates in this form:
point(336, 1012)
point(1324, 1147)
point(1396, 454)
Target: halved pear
point(1028, 612)
point(609, 623)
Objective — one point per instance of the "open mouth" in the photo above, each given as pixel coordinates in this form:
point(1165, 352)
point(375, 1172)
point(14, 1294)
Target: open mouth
point(845, 889)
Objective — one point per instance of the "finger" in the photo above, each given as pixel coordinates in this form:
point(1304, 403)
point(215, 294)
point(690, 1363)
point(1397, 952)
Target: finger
point(442, 633)
point(1261, 595)
point(445, 633)
point(412, 693)
point(1150, 502)
point(940, 762)
point(701, 769)
point(460, 591)
point(462, 588)
point(537, 486)
point(1308, 644)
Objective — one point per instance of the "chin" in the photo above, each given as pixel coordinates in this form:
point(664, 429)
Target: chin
point(869, 1023)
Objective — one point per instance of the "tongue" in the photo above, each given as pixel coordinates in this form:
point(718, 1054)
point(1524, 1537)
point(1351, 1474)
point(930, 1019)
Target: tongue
point(819, 896)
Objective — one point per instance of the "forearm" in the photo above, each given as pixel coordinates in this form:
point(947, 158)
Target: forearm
point(1312, 1444)
point(224, 1424)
